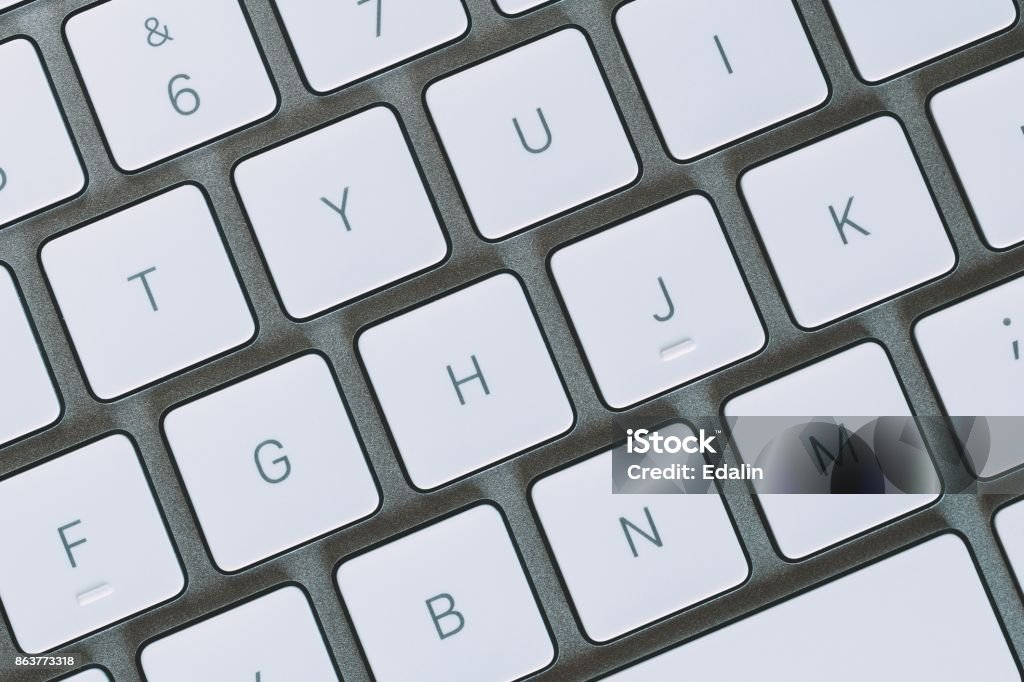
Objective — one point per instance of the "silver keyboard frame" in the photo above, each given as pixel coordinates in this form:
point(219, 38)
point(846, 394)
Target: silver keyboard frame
point(789, 346)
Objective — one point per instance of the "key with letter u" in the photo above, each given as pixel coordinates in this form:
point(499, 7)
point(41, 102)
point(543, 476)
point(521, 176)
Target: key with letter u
point(532, 133)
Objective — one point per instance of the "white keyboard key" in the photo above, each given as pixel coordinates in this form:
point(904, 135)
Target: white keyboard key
point(646, 324)
point(848, 221)
point(340, 212)
point(891, 620)
point(532, 133)
point(28, 400)
point(165, 77)
point(980, 126)
point(1009, 524)
point(147, 291)
point(273, 637)
point(635, 542)
point(886, 38)
point(465, 381)
point(974, 351)
point(92, 547)
point(854, 388)
point(449, 601)
point(39, 164)
point(514, 7)
point(338, 43)
point(266, 472)
point(89, 675)
point(714, 72)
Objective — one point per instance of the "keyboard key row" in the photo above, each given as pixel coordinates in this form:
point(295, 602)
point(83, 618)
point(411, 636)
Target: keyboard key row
point(536, 146)
point(171, 298)
point(91, 557)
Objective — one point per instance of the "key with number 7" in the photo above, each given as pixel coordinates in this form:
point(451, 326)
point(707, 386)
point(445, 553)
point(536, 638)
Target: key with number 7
point(338, 42)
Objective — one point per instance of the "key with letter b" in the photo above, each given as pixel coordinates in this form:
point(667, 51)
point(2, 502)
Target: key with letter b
point(447, 602)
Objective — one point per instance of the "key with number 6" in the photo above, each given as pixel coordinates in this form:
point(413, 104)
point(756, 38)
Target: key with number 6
point(165, 77)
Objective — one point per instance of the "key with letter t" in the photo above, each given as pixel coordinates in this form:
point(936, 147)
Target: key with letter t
point(147, 291)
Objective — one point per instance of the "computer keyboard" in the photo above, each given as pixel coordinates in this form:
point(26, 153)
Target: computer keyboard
point(322, 322)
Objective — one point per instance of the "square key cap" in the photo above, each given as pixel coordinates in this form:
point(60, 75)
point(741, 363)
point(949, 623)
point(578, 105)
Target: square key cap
point(981, 126)
point(848, 221)
point(450, 601)
point(266, 471)
point(340, 212)
point(166, 77)
point(851, 390)
point(147, 291)
point(714, 72)
point(887, 37)
point(638, 299)
point(532, 133)
point(465, 381)
point(974, 351)
point(662, 552)
point(92, 546)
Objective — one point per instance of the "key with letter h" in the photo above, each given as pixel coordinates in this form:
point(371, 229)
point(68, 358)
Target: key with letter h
point(481, 368)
